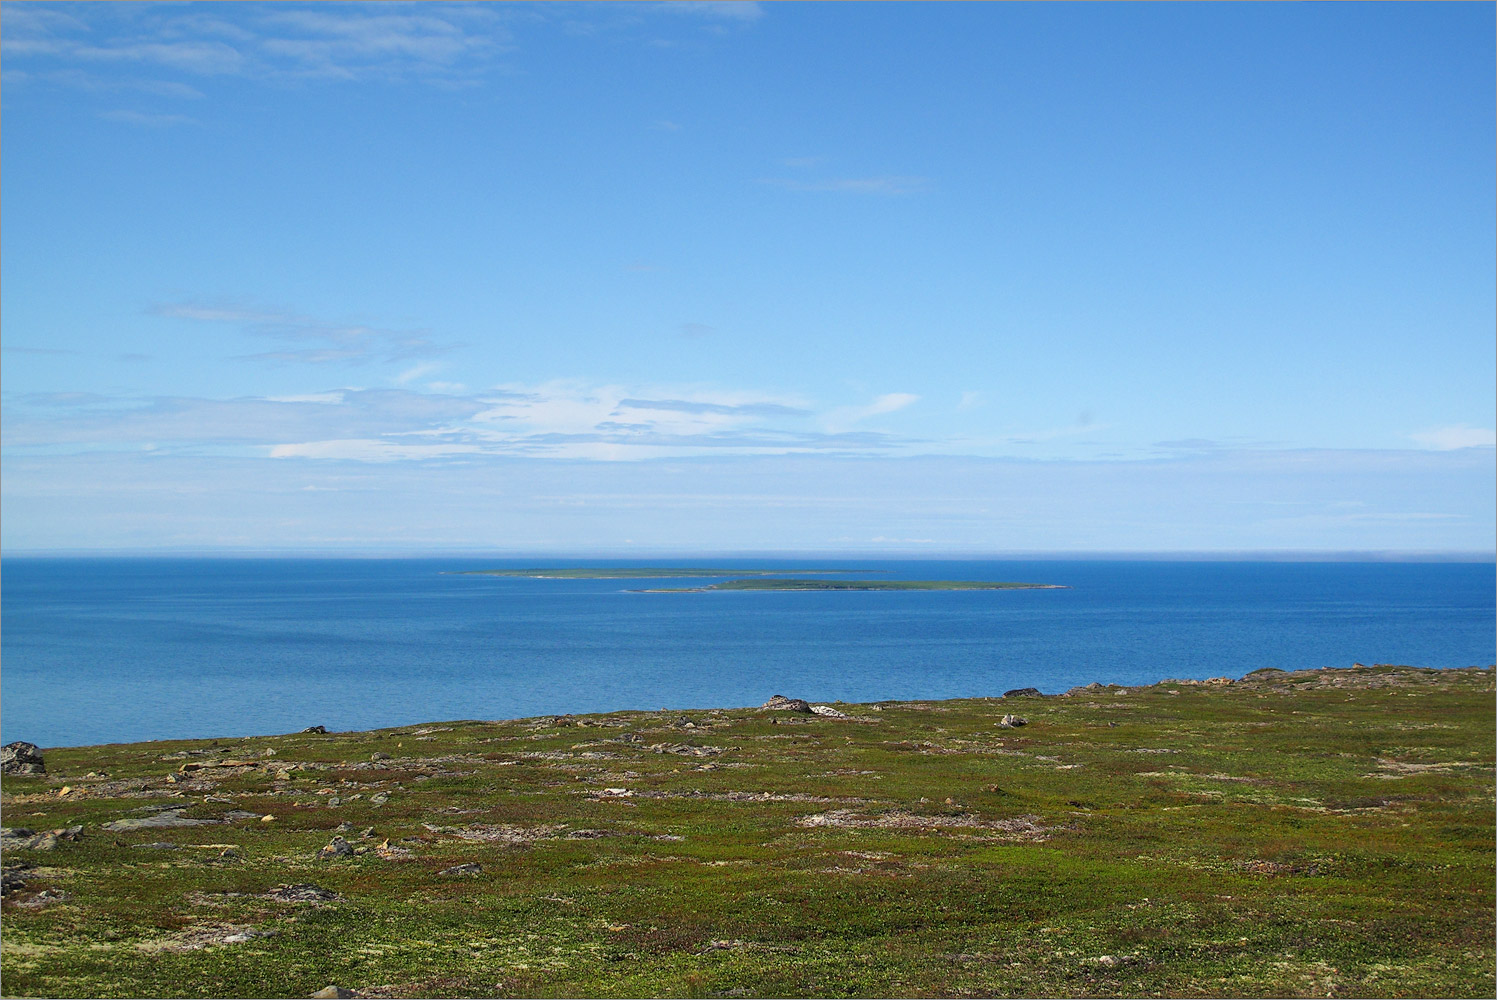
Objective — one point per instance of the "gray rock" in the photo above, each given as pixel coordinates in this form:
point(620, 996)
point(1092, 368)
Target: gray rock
point(471, 868)
point(1024, 693)
point(336, 848)
point(315, 729)
point(1013, 722)
point(12, 879)
point(161, 820)
point(827, 711)
point(379, 798)
point(332, 993)
point(21, 758)
point(161, 846)
point(379, 755)
point(303, 892)
point(44, 841)
point(780, 703)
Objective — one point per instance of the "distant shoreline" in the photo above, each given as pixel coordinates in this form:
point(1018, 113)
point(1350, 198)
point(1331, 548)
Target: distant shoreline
point(836, 586)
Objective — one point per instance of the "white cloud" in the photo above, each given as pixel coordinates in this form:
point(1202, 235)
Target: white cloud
point(1457, 436)
point(335, 343)
point(847, 416)
point(369, 450)
point(146, 119)
point(885, 185)
point(417, 371)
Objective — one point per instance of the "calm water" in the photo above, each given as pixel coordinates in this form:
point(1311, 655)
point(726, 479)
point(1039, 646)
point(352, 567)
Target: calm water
point(105, 650)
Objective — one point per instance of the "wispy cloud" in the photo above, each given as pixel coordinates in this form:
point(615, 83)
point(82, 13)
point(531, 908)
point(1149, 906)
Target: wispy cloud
point(714, 10)
point(146, 119)
point(434, 42)
point(552, 420)
point(140, 46)
point(1457, 436)
point(331, 343)
point(884, 185)
point(847, 416)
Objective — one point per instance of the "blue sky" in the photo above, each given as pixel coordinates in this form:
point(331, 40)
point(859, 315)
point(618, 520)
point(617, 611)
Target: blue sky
point(704, 277)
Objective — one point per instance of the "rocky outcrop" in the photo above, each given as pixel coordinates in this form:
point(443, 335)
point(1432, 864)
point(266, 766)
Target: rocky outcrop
point(1024, 693)
point(336, 848)
point(1013, 721)
point(21, 758)
point(780, 703)
point(22, 839)
point(165, 819)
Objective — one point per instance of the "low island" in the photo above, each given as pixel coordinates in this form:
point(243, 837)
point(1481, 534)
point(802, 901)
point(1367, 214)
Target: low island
point(644, 572)
point(1308, 833)
point(775, 583)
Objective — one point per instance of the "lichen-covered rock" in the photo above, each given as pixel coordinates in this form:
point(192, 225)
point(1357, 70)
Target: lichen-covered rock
point(828, 712)
point(166, 819)
point(21, 758)
point(1013, 721)
point(1024, 693)
point(780, 703)
point(336, 848)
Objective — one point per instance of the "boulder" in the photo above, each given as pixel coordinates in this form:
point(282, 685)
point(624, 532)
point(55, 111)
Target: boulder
point(336, 848)
point(303, 892)
point(1013, 722)
point(827, 711)
point(21, 758)
point(1024, 693)
point(780, 703)
point(332, 993)
point(320, 730)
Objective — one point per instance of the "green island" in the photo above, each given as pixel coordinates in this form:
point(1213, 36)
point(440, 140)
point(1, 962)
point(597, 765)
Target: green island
point(771, 583)
point(643, 573)
point(1310, 833)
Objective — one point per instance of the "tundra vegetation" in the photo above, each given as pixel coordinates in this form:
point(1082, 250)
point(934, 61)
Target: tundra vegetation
point(1321, 832)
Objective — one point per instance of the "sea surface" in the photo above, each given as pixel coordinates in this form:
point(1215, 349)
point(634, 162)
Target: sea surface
point(113, 650)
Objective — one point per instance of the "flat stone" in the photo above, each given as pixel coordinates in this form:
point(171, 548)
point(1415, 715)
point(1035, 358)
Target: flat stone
point(165, 819)
point(471, 868)
point(331, 992)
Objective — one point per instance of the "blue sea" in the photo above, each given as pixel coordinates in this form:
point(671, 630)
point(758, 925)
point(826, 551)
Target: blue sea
point(113, 650)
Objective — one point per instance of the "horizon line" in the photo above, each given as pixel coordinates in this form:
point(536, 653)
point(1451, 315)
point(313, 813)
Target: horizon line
point(902, 555)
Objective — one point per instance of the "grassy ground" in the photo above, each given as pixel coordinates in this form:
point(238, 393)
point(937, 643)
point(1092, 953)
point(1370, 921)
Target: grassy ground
point(1320, 833)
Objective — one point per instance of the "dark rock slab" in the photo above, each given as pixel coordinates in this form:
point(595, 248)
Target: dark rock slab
point(21, 758)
